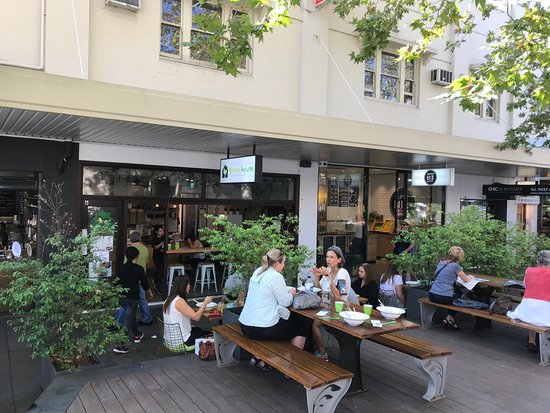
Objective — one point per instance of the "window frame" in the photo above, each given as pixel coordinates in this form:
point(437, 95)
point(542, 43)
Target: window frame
point(186, 29)
point(401, 93)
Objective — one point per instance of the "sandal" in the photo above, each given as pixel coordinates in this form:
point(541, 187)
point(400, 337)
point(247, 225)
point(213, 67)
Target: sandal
point(263, 366)
point(450, 325)
point(254, 362)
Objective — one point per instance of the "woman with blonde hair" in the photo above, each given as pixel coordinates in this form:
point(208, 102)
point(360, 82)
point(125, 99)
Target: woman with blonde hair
point(447, 272)
point(265, 315)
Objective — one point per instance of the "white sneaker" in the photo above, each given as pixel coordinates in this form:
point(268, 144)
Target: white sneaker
point(121, 349)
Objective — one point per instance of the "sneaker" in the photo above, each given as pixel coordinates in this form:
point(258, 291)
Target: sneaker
point(137, 339)
point(322, 356)
point(143, 323)
point(121, 350)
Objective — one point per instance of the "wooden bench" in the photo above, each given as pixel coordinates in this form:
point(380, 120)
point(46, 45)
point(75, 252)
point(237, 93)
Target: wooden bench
point(430, 359)
point(325, 383)
point(427, 310)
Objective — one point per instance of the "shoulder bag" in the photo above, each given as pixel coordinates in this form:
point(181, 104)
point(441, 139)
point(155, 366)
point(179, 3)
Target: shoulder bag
point(207, 348)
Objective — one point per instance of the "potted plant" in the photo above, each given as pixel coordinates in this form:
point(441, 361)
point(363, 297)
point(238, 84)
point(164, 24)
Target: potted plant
point(244, 245)
point(61, 313)
point(491, 247)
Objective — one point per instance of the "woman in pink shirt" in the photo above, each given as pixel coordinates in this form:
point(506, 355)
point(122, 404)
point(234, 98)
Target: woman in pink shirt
point(535, 305)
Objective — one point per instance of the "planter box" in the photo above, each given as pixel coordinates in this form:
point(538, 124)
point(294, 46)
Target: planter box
point(413, 307)
point(231, 315)
point(48, 372)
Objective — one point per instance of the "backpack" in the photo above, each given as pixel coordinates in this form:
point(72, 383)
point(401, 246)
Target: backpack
point(501, 305)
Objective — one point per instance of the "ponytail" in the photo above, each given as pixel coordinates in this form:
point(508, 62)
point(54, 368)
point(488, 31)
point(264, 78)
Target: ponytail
point(273, 256)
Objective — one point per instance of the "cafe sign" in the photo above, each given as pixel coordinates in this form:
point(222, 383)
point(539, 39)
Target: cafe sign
point(518, 190)
point(433, 177)
point(243, 169)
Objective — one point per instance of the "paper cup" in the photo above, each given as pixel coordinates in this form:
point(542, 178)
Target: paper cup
point(338, 306)
point(367, 309)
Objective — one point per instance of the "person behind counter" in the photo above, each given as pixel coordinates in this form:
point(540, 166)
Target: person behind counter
point(403, 247)
point(157, 241)
point(265, 315)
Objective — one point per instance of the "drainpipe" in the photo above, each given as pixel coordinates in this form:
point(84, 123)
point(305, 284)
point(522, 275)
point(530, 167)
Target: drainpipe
point(42, 43)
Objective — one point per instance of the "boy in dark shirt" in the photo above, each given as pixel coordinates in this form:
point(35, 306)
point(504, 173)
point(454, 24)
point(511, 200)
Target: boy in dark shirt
point(130, 276)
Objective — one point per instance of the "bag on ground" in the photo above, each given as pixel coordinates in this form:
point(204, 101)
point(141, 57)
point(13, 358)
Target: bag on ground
point(207, 349)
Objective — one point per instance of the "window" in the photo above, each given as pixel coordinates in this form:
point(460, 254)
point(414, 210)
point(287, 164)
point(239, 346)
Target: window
point(388, 79)
point(487, 110)
point(179, 25)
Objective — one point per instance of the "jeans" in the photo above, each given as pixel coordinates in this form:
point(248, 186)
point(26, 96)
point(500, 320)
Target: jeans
point(130, 309)
point(143, 307)
point(442, 299)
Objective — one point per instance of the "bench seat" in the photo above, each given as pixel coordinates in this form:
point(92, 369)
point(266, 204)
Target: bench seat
point(427, 310)
point(325, 383)
point(429, 358)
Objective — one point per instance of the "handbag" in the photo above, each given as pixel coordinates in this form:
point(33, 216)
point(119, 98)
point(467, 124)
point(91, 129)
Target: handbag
point(207, 348)
point(501, 305)
point(306, 299)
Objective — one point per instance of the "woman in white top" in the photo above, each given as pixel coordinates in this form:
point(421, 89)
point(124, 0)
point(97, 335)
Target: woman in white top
point(334, 271)
point(177, 311)
point(391, 288)
point(265, 315)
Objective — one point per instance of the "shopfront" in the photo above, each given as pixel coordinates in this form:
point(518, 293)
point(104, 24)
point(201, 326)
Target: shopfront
point(138, 198)
point(359, 209)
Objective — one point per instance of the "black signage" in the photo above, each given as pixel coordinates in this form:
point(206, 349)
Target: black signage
point(523, 190)
point(7, 204)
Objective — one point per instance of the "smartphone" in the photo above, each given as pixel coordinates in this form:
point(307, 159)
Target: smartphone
point(341, 285)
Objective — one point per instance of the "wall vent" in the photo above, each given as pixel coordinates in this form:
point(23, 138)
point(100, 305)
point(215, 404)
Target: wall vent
point(442, 77)
point(133, 5)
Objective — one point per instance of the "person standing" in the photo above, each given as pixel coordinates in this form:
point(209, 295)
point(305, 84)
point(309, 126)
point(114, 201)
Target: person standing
point(403, 247)
point(142, 260)
point(130, 276)
point(535, 305)
point(157, 241)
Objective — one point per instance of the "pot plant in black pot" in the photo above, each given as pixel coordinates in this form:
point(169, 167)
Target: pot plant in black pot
point(62, 313)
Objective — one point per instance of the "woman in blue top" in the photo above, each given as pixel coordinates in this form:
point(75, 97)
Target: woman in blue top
point(442, 291)
point(265, 315)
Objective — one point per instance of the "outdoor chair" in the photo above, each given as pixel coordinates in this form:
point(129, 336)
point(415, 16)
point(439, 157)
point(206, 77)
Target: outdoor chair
point(172, 334)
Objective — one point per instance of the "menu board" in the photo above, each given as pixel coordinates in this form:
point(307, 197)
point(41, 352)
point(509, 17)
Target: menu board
point(7, 204)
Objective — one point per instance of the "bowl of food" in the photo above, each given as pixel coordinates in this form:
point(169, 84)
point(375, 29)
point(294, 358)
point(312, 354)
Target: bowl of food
point(209, 306)
point(353, 318)
point(390, 313)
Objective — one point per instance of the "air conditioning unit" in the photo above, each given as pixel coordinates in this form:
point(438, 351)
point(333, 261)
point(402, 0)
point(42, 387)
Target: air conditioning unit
point(133, 5)
point(442, 77)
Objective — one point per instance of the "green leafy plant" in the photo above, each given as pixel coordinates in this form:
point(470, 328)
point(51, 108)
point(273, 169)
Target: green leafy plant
point(60, 312)
point(244, 245)
point(490, 246)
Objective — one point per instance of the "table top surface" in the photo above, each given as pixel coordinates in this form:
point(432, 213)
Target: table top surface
point(496, 282)
point(186, 250)
point(363, 331)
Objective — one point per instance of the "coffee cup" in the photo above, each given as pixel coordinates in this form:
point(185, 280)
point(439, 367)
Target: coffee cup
point(367, 309)
point(338, 306)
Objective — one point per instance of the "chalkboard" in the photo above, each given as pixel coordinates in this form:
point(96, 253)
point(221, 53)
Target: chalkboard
point(7, 204)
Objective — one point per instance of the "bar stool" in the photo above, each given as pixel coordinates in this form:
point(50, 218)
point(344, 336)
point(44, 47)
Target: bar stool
point(207, 275)
point(227, 270)
point(171, 271)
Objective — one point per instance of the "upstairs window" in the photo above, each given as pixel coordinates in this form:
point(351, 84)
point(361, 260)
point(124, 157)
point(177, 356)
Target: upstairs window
point(487, 110)
point(179, 25)
point(387, 79)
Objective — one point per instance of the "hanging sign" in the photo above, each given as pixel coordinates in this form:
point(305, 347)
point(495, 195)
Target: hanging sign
point(528, 200)
point(433, 177)
point(243, 169)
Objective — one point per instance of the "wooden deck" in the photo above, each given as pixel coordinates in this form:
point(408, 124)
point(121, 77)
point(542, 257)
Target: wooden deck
point(489, 371)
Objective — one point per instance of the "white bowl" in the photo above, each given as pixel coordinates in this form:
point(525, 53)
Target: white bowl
point(209, 306)
point(390, 313)
point(353, 318)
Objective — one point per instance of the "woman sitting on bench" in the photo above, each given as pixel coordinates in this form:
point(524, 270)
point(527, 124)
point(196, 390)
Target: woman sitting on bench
point(446, 274)
point(265, 315)
point(535, 305)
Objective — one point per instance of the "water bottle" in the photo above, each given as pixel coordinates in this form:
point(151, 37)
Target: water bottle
point(309, 284)
point(325, 290)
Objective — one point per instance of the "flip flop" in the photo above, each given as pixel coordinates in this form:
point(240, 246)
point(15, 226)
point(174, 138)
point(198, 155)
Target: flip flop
point(450, 325)
point(263, 368)
point(254, 362)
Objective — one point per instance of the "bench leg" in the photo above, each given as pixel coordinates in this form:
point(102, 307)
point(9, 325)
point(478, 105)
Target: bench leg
point(544, 346)
point(224, 351)
point(435, 370)
point(427, 314)
point(325, 399)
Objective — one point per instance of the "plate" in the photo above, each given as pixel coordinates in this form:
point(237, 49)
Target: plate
point(315, 289)
point(412, 282)
point(16, 249)
point(208, 306)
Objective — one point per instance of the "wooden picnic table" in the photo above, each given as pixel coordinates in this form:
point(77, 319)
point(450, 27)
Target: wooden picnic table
point(349, 338)
point(187, 250)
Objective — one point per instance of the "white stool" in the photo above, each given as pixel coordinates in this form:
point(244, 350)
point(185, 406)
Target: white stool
point(171, 271)
point(207, 275)
point(227, 271)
